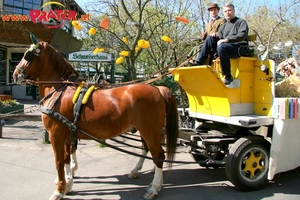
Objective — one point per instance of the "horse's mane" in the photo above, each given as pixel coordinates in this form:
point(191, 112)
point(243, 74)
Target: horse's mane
point(60, 64)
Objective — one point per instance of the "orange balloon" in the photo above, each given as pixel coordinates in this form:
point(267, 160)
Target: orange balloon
point(104, 24)
point(182, 19)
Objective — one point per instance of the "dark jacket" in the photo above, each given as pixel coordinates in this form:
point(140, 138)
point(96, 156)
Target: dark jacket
point(236, 31)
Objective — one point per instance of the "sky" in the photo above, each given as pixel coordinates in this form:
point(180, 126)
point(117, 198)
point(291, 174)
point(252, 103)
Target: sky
point(270, 2)
point(238, 4)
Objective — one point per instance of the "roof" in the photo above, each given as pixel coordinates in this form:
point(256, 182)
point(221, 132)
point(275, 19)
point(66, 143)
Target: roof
point(16, 33)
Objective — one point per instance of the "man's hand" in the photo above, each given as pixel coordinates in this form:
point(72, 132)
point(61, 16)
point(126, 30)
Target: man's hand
point(214, 34)
point(221, 41)
point(204, 34)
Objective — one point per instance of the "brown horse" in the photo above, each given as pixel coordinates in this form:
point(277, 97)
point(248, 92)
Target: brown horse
point(107, 114)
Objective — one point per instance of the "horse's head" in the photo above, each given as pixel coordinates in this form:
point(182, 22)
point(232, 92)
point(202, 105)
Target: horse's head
point(29, 59)
point(43, 62)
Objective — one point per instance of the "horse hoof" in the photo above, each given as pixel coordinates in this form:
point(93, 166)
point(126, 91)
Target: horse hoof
point(151, 194)
point(69, 185)
point(133, 175)
point(56, 196)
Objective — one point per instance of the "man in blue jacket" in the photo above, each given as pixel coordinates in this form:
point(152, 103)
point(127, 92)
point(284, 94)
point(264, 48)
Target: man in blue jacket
point(232, 35)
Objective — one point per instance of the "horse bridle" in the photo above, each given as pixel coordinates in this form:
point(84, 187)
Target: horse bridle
point(32, 52)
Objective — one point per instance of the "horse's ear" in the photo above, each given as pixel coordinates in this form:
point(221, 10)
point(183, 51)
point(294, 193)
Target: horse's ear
point(33, 39)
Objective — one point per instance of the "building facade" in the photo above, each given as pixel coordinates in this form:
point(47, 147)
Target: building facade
point(47, 22)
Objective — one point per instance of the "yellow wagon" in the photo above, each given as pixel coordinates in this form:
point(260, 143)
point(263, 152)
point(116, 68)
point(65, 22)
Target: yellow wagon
point(236, 124)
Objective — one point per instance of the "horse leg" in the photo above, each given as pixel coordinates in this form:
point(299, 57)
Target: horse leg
point(69, 167)
point(62, 160)
point(74, 163)
point(135, 172)
point(59, 155)
point(155, 186)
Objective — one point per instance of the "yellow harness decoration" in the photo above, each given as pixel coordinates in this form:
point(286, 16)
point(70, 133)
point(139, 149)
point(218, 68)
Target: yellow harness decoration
point(86, 95)
point(75, 97)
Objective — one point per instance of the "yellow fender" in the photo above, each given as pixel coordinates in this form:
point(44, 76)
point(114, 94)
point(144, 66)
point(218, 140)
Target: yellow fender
point(75, 97)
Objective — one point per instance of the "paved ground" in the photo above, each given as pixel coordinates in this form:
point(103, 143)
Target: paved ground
point(28, 172)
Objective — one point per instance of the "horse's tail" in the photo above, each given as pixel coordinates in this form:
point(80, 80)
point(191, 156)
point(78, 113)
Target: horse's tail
point(171, 128)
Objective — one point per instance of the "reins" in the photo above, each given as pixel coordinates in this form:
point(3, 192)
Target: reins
point(148, 79)
point(72, 125)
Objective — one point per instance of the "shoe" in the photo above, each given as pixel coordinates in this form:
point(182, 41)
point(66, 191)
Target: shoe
point(196, 63)
point(228, 79)
point(187, 64)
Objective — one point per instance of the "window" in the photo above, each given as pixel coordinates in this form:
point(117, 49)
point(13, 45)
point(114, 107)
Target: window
point(20, 6)
point(15, 59)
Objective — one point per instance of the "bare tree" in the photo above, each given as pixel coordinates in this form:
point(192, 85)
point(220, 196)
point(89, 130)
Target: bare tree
point(273, 23)
point(150, 20)
point(141, 19)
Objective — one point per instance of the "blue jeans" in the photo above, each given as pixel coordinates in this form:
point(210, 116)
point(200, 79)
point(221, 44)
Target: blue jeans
point(209, 44)
point(225, 52)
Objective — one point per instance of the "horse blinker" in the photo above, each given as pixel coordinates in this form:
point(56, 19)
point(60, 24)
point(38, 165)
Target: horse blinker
point(28, 56)
point(30, 53)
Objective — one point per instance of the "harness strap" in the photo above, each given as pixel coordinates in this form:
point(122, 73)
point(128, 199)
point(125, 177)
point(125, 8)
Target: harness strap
point(51, 93)
point(57, 116)
point(76, 112)
point(69, 124)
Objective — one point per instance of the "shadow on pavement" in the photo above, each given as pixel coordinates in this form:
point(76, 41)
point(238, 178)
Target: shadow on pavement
point(182, 184)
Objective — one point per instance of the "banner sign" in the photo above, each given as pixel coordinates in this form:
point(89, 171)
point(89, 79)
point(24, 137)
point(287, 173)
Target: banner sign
point(89, 56)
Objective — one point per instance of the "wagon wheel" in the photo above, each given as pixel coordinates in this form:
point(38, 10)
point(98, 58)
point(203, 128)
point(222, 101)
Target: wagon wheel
point(247, 163)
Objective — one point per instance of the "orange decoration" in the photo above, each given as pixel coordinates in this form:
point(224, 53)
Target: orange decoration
point(182, 19)
point(104, 24)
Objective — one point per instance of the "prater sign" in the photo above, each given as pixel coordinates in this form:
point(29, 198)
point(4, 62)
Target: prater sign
point(89, 56)
point(44, 16)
